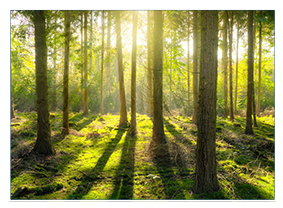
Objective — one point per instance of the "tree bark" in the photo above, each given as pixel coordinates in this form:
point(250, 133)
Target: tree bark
point(249, 128)
point(206, 176)
point(65, 130)
point(195, 70)
point(158, 128)
point(43, 144)
point(254, 72)
point(12, 106)
point(230, 67)
point(85, 65)
point(123, 109)
point(54, 103)
point(102, 63)
point(188, 66)
point(108, 48)
point(237, 65)
point(82, 66)
point(133, 128)
point(225, 62)
point(259, 69)
point(149, 65)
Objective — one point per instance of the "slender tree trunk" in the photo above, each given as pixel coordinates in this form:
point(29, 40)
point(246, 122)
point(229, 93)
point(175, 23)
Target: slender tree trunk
point(123, 109)
point(259, 69)
point(170, 75)
point(133, 128)
point(54, 103)
point(65, 130)
point(158, 128)
point(254, 72)
point(188, 66)
point(249, 128)
point(149, 65)
point(195, 70)
point(82, 66)
point(108, 52)
point(12, 106)
point(90, 43)
point(225, 62)
point(102, 63)
point(43, 144)
point(237, 65)
point(230, 67)
point(85, 65)
point(206, 175)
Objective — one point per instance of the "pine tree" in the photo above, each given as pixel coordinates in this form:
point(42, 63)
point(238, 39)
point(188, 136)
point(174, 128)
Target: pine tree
point(43, 144)
point(249, 128)
point(123, 109)
point(206, 176)
point(65, 130)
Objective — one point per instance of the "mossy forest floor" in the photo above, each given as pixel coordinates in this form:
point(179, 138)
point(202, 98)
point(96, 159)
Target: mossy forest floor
point(98, 160)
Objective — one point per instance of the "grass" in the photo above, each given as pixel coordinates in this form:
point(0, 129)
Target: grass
point(99, 160)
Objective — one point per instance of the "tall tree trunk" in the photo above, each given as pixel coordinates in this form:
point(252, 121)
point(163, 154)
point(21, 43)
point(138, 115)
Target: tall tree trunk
point(108, 52)
point(12, 106)
point(65, 130)
point(82, 66)
point(254, 72)
point(102, 63)
point(259, 69)
point(195, 70)
point(149, 65)
point(170, 75)
point(206, 176)
point(249, 128)
point(43, 144)
point(133, 128)
point(237, 64)
point(90, 43)
point(123, 109)
point(158, 128)
point(85, 65)
point(54, 103)
point(188, 66)
point(230, 67)
point(225, 62)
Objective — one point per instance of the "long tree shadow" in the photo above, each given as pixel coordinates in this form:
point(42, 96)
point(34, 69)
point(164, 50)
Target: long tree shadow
point(124, 179)
point(88, 180)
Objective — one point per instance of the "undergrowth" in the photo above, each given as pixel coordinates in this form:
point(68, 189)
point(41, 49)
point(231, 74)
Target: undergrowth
point(99, 160)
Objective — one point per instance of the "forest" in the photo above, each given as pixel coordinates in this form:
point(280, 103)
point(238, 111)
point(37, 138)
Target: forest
point(142, 105)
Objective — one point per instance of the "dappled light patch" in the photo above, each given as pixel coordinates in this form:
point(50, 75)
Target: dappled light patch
point(101, 161)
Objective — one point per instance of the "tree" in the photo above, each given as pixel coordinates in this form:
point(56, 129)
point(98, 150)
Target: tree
point(224, 61)
point(230, 67)
point(54, 102)
point(206, 176)
point(123, 110)
point(195, 67)
point(237, 64)
point(259, 69)
point(43, 144)
point(149, 65)
point(108, 48)
point(12, 106)
point(249, 128)
point(82, 66)
point(102, 61)
point(85, 65)
point(158, 128)
point(133, 128)
point(188, 66)
point(65, 130)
